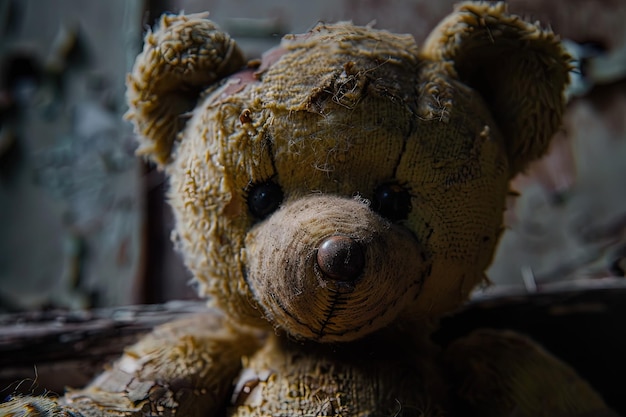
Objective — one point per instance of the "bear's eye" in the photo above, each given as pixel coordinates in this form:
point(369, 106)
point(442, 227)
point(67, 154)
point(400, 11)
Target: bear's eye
point(392, 201)
point(264, 198)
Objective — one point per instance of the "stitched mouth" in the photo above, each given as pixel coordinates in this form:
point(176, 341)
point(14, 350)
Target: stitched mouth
point(315, 332)
point(340, 302)
point(341, 316)
point(334, 307)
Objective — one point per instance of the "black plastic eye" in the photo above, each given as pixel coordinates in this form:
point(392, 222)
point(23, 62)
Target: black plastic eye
point(392, 201)
point(264, 198)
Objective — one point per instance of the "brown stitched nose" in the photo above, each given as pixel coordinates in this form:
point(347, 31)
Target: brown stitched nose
point(340, 258)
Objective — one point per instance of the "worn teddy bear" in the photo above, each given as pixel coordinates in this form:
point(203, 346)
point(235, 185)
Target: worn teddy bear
point(334, 200)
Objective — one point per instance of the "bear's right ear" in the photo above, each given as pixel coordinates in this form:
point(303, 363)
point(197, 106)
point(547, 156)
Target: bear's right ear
point(184, 55)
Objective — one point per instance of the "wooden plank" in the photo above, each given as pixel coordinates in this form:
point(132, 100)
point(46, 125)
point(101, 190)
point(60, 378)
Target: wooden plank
point(49, 350)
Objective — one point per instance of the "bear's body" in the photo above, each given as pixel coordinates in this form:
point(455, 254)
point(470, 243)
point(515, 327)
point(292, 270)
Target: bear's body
point(334, 200)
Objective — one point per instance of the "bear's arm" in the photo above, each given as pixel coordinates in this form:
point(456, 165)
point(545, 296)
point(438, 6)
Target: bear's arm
point(185, 367)
point(501, 373)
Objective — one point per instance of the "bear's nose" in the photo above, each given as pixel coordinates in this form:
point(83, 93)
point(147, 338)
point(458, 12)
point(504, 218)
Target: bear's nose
point(340, 258)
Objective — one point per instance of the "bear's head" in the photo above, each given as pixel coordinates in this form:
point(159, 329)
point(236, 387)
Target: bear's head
point(350, 179)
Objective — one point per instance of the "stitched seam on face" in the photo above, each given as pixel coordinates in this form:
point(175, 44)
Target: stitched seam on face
point(405, 140)
point(329, 314)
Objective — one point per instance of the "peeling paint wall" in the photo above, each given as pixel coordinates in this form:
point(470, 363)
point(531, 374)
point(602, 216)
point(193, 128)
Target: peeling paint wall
point(70, 187)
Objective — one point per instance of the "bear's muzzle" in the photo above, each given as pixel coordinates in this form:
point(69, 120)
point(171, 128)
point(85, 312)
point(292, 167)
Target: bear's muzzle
point(329, 269)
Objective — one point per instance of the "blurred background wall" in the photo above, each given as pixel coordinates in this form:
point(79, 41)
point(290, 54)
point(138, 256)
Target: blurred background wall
point(83, 223)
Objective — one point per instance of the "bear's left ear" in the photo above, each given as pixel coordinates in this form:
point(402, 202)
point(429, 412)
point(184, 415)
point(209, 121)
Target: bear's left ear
point(520, 70)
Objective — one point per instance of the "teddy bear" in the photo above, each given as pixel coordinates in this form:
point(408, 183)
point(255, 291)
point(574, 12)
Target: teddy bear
point(334, 200)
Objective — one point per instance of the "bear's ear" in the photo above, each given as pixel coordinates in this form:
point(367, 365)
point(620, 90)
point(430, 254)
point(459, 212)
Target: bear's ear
point(180, 58)
point(520, 69)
